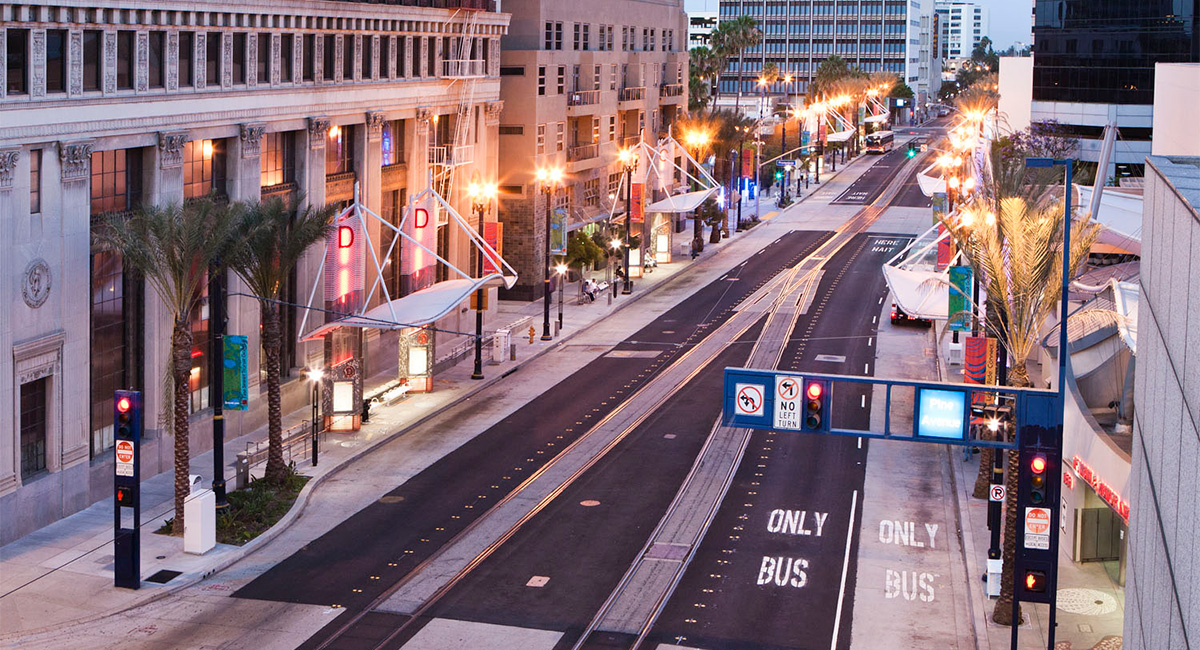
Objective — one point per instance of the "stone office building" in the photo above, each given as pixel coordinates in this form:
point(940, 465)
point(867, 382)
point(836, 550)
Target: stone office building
point(105, 108)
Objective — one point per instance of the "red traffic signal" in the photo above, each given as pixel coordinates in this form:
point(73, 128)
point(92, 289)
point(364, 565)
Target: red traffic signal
point(1038, 464)
point(125, 496)
point(123, 405)
point(814, 390)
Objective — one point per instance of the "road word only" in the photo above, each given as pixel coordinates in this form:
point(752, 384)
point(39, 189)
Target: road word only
point(909, 585)
point(904, 533)
point(783, 571)
point(793, 522)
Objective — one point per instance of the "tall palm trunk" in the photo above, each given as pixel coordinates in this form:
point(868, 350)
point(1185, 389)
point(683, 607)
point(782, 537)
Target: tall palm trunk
point(1002, 614)
point(181, 370)
point(983, 479)
point(272, 336)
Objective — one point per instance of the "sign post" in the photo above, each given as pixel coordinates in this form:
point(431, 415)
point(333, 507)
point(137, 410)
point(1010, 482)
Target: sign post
point(127, 510)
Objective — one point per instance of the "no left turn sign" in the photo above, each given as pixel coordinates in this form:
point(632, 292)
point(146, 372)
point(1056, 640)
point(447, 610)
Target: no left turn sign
point(749, 399)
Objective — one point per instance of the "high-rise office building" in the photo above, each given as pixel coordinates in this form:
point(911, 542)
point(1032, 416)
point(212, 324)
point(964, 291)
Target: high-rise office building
point(1094, 63)
point(798, 35)
point(963, 24)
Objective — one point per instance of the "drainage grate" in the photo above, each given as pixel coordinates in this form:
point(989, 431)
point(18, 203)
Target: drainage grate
point(164, 576)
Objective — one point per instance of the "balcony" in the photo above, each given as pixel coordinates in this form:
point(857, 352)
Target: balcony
point(450, 156)
point(671, 90)
point(583, 152)
point(633, 94)
point(583, 98)
point(464, 69)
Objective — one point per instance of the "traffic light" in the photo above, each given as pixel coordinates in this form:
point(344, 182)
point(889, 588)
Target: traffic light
point(1037, 480)
point(912, 150)
point(127, 414)
point(126, 496)
point(816, 401)
point(778, 175)
point(1035, 581)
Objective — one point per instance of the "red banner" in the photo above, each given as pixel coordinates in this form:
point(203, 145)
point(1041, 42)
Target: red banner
point(945, 249)
point(637, 202)
point(493, 234)
point(747, 163)
point(418, 266)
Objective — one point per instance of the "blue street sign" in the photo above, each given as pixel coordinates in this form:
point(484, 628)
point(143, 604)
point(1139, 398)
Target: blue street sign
point(941, 414)
point(785, 163)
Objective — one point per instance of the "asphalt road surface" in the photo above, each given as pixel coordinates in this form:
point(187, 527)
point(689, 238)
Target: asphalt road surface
point(866, 188)
point(777, 568)
point(356, 562)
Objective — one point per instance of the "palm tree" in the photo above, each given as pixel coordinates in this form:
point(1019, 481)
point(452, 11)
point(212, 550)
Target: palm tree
point(174, 247)
point(831, 70)
point(1017, 255)
point(704, 67)
point(274, 241)
point(733, 37)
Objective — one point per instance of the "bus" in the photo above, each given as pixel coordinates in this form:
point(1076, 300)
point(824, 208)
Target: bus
point(880, 141)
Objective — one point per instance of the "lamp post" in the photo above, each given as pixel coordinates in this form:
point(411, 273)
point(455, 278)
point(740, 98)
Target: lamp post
point(562, 280)
point(481, 197)
point(315, 375)
point(628, 158)
point(548, 178)
point(216, 289)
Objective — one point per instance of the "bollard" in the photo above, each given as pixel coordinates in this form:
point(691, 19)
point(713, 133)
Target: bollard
point(512, 352)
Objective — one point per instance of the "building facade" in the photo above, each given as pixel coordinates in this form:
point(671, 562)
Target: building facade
point(576, 90)
point(1094, 64)
point(798, 35)
point(700, 26)
point(105, 109)
point(1161, 600)
point(962, 25)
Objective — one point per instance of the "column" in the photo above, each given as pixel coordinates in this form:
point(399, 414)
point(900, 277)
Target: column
point(8, 432)
point(73, 166)
point(311, 176)
point(245, 184)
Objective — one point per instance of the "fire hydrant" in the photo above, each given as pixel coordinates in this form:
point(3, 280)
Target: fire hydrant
point(532, 334)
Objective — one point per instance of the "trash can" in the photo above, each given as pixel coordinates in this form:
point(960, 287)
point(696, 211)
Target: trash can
point(200, 522)
point(994, 570)
point(500, 343)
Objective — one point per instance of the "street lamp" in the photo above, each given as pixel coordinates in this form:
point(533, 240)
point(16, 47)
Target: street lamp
point(481, 197)
point(548, 178)
point(315, 375)
point(629, 161)
point(562, 280)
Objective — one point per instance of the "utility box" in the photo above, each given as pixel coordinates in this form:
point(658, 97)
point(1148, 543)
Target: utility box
point(200, 522)
point(242, 469)
point(955, 353)
point(500, 343)
point(994, 569)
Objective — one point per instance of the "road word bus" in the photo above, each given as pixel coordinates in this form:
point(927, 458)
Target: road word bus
point(880, 141)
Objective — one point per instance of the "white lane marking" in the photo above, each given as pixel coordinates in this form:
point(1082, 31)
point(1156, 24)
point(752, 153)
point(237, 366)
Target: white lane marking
point(874, 319)
point(870, 341)
point(866, 368)
point(864, 401)
point(881, 301)
point(860, 442)
point(837, 618)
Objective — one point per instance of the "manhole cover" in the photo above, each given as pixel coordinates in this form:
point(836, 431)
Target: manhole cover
point(1086, 602)
point(391, 499)
point(164, 576)
point(589, 503)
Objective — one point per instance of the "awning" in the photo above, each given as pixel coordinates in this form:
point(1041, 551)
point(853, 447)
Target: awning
point(840, 136)
point(1126, 296)
point(875, 119)
point(681, 202)
point(418, 308)
point(923, 294)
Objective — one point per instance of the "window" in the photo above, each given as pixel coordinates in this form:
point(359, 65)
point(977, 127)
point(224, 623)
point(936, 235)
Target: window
point(308, 55)
point(612, 127)
point(56, 60)
point(560, 136)
point(198, 389)
point(418, 59)
point(287, 58)
point(348, 58)
point(34, 395)
point(391, 211)
point(92, 59)
point(431, 57)
point(576, 86)
point(548, 36)
point(263, 72)
point(541, 84)
point(596, 76)
point(541, 139)
point(278, 159)
point(624, 38)
point(212, 59)
point(339, 150)
point(385, 56)
point(329, 68)
point(591, 192)
point(612, 76)
point(595, 130)
point(18, 61)
point(513, 70)
point(401, 55)
point(116, 181)
point(203, 168)
point(368, 57)
point(614, 184)
point(512, 129)
point(239, 59)
point(125, 60)
point(558, 35)
point(562, 79)
point(575, 42)
point(35, 181)
point(393, 143)
point(187, 52)
point(156, 65)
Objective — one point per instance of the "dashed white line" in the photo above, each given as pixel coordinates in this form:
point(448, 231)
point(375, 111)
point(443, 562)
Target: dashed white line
point(866, 368)
point(864, 401)
point(837, 618)
point(874, 319)
point(870, 341)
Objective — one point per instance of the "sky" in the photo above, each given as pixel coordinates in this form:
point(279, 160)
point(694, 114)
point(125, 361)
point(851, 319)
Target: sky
point(1007, 24)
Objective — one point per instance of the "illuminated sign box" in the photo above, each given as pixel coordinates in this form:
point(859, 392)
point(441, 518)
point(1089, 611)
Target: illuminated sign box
point(940, 414)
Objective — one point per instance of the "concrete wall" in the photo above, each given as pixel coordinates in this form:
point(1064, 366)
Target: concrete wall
point(1016, 92)
point(1176, 96)
point(1162, 609)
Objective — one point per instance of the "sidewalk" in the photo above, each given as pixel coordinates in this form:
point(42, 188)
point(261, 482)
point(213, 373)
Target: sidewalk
point(62, 574)
point(1090, 603)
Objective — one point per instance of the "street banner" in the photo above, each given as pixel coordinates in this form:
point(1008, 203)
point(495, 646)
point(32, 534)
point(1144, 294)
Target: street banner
point(939, 207)
point(418, 266)
point(960, 299)
point(493, 234)
point(235, 365)
point(945, 250)
point(989, 375)
point(805, 136)
point(748, 163)
point(975, 359)
point(344, 263)
point(637, 202)
point(558, 232)
point(821, 132)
